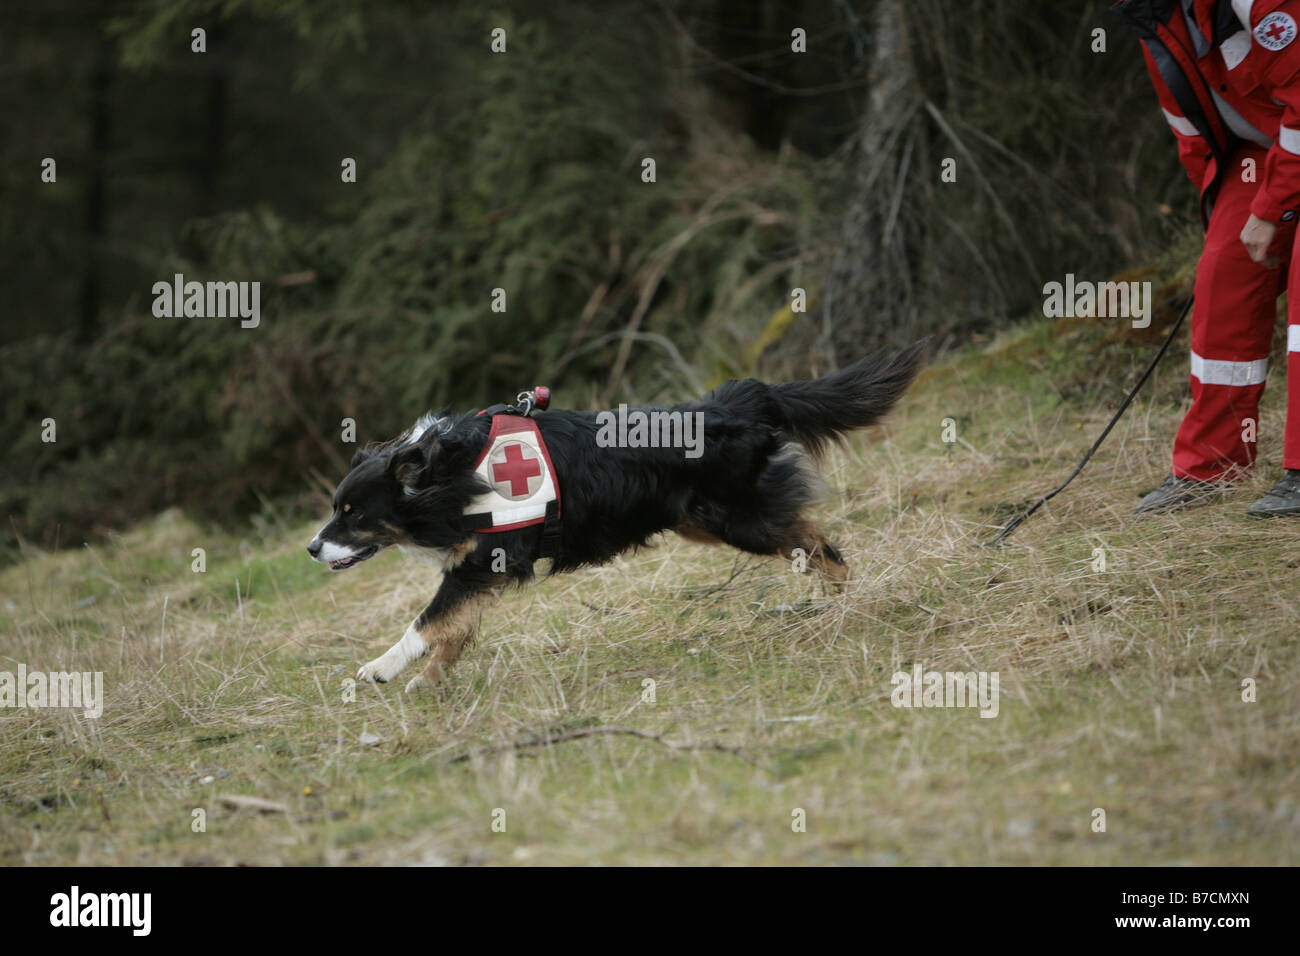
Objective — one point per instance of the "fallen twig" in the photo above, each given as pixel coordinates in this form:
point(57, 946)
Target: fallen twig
point(543, 739)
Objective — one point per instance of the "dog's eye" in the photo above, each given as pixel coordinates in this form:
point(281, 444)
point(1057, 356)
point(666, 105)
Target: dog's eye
point(347, 508)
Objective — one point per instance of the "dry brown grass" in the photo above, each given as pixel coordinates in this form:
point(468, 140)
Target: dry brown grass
point(1121, 689)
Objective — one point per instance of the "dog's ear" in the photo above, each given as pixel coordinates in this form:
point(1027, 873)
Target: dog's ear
point(409, 462)
point(363, 454)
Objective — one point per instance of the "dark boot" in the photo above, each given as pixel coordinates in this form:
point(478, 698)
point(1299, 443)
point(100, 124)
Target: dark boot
point(1283, 499)
point(1176, 493)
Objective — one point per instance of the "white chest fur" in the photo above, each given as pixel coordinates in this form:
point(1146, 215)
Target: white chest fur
point(439, 558)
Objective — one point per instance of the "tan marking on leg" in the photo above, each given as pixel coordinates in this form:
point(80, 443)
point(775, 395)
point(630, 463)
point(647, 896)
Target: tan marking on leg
point(698, 535)
point(459, 552)
point(822, 555)
point(836, 572)
point(448, 636)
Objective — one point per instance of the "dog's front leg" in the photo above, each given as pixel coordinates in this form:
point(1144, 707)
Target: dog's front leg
point(449, 628)
point(444, 628)
point(389, 664)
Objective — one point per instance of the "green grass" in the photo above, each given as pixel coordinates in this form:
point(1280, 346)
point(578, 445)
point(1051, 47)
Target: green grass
point(1121, 689)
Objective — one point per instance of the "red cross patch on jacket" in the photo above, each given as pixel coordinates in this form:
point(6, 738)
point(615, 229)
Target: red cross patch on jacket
point(1227, 72)
point(1274, 63)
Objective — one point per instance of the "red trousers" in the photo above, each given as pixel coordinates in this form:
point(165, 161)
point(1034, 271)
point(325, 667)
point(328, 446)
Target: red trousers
point(1232, 329)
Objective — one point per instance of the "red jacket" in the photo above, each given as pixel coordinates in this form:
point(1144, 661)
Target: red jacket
point(1229, 77)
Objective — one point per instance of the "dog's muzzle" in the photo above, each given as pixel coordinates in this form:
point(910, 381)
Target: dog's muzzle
point(337, 557)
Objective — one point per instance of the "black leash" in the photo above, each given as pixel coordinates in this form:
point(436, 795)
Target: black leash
point(1002, 535)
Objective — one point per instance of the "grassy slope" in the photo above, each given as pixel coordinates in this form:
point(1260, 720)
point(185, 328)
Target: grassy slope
point(1120, 688)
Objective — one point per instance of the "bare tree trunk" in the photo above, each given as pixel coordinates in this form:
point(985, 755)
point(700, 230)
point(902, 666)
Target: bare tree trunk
point(868, 300)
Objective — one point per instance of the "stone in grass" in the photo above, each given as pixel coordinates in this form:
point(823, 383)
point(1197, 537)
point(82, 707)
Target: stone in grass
point(370, 740)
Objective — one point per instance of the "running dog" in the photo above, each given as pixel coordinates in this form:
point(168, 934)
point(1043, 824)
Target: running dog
point(485, 495)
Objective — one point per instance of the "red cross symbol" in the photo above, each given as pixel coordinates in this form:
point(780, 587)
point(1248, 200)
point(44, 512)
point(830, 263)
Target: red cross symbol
point(1275, 31)
point(517, 470)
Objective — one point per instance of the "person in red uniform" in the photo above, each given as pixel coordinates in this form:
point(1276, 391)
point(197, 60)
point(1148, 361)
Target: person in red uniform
point(1227, 73)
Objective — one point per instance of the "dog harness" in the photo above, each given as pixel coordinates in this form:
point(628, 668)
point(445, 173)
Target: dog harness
point(516, 466)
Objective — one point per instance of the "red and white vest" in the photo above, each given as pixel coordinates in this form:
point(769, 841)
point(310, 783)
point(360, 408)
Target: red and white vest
point(516, 465)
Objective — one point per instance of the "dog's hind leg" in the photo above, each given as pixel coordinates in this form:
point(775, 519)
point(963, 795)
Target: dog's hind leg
point(698, 535)
point(804, 540)
point(807, 539)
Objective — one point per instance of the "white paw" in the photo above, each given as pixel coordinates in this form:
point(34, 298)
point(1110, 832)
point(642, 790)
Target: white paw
point(379, 671)
point(417, 684)
point(390, 663)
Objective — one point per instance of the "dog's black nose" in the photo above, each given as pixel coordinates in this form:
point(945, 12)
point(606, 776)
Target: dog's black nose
point(314, 548)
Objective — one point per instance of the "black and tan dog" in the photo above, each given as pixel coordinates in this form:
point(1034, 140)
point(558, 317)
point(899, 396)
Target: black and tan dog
point(484, 496)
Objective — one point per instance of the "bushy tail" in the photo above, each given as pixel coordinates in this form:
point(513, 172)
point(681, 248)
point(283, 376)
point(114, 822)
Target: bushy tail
point(822, 410)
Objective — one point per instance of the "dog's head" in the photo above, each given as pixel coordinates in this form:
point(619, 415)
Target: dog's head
point(411, 491)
